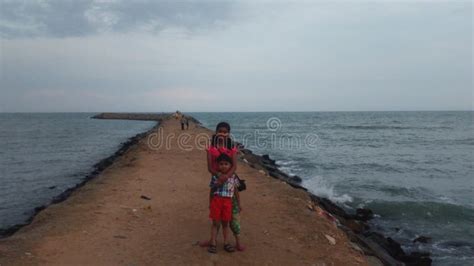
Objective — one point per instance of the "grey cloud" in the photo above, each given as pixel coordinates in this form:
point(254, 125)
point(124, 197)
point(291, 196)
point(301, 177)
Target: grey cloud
point(287, 57)
point(79, 18)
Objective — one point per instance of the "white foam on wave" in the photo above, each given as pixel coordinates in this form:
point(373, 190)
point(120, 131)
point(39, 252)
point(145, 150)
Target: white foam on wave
point(284, 162)
point(316, 185)
point(446, 199)
point(288, 167)
point(320, 187)
point(290, 170)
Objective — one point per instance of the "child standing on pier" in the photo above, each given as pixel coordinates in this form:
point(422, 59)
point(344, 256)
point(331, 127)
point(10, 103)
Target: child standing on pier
point(221, 143)
point(220, 203)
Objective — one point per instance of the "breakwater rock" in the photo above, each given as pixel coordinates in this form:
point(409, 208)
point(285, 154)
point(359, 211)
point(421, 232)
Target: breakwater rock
point(133, 116)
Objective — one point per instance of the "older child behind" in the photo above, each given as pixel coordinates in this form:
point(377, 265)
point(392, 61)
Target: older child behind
point(221, 143)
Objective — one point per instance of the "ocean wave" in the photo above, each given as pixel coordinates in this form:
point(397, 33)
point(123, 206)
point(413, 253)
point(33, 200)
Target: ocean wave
point(385, 168)
point(319, 187)
point(369, 127)
point(409, 192)
point(331, 166)
point(385, 127)
point(290, 167)
point(362, 142)
point(285, 162)
point(451, 246)
point(435, 211)
point(378, 167)
point(465, 141)
point(290, 170)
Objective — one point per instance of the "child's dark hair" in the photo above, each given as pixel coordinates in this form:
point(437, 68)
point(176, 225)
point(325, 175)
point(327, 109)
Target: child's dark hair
point(228, 142)
point(224, 157)
point(224, 125)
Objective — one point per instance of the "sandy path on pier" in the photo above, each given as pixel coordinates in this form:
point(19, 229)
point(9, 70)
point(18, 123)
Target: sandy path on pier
point(106, 222)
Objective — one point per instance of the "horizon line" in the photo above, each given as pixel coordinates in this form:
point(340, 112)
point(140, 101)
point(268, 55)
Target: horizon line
point(314, 111)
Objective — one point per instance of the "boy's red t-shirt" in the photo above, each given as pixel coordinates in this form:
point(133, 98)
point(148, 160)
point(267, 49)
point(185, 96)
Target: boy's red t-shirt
point(216, 152)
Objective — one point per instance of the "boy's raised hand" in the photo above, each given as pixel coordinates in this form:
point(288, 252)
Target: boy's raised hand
point(222, 178)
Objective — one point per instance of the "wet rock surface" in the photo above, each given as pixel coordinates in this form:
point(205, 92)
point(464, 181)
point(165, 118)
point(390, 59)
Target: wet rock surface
point(422, 239)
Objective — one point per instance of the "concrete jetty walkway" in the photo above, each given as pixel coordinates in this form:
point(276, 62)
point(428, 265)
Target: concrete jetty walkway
point(150, 207)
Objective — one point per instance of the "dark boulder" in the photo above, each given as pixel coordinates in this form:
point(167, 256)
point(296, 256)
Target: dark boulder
point(329, 206)
point(395, 250)
point(417, 259)
point(271, 168)
point(363, 214)
point(253, 159)
point(277, 174)
point(246, 151)
point(354, 225)
point(291, 180)
point(266, 159)
point(392, 247)
point(296, 178)
point(422, 239)
point(240, 146)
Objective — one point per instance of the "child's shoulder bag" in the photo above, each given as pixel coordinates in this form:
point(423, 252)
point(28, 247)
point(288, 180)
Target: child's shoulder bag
point(242, 186)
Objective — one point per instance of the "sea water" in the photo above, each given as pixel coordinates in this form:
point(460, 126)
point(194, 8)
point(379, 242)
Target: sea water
point(413, 169)
point(43, 154)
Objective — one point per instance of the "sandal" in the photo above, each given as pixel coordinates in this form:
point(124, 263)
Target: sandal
point(212, 249)
point(229, 248)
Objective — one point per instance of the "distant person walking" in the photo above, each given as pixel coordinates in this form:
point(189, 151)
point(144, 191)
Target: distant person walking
point(184, 121)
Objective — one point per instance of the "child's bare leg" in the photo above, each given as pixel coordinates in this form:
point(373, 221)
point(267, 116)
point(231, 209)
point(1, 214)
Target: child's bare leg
point(214, 228)
point(237, 241)
point(212, 244)
point(235, 227)
point(238, 245)
point(206, 243)
point(225, 231)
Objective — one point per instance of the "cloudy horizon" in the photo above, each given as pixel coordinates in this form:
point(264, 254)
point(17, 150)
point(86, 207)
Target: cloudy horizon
point(148, 56)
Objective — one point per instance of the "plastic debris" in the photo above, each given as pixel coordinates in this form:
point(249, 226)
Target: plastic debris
point(331, 239)
point(145, 197)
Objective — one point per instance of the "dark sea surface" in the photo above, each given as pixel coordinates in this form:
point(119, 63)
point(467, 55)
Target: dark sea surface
point(43, 154)
point(413, 169)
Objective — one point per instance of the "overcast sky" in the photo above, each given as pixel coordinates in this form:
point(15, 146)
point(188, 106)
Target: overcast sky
point(153, 56)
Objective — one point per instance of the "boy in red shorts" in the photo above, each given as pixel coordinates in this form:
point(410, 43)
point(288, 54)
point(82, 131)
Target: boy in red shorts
point(220, 203)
